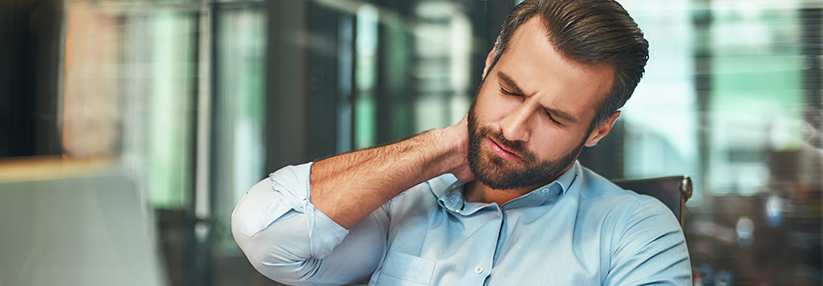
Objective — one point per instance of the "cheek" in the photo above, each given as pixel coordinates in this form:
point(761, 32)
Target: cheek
point(554, 143)
point(492, 107)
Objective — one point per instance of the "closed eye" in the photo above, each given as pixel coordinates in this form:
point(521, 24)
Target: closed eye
point(506, 92)
point(549, 115)
point(547, 112)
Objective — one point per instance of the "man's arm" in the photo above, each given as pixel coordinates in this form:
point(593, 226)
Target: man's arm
point(323, 224)
point(348, 187)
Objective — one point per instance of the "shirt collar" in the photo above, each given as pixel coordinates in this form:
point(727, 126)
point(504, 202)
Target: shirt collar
point(451, 197)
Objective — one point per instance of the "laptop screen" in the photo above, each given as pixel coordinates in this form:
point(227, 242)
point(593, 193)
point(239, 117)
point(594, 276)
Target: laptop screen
point(75, 231)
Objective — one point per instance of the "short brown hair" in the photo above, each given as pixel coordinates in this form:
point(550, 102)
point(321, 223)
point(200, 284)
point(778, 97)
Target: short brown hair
point(590, 32)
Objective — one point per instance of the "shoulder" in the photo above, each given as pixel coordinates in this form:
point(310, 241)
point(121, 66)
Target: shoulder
point(645, 241)
point(599, 194)
point(627, 213)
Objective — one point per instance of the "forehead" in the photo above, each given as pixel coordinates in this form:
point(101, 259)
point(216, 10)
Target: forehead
point(540, 70)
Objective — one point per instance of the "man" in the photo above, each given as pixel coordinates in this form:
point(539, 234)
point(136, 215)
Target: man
point(527, 214)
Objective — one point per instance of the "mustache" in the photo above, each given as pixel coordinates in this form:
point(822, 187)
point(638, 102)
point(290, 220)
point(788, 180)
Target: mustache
point(514, 146)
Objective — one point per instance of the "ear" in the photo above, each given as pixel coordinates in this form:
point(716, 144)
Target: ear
point(489, 59)
point(602, 129)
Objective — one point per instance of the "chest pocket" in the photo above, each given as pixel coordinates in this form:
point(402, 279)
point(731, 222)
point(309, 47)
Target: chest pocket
point(403, 269)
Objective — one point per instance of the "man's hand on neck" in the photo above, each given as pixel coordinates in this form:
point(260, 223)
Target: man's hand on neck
point(348, 187)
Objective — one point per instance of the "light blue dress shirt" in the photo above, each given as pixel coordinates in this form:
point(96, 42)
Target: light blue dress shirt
point(578, 230)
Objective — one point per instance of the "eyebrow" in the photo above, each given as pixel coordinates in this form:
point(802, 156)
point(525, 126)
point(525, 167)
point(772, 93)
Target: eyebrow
point(565, 116)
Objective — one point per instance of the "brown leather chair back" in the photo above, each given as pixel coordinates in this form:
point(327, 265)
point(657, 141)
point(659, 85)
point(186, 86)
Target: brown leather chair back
point(672, 191)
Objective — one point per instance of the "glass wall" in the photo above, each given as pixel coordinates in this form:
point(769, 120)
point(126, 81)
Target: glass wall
point(732, 99)
point(195, 101)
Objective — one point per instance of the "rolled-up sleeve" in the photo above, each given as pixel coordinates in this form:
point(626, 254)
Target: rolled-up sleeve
point(288, 240)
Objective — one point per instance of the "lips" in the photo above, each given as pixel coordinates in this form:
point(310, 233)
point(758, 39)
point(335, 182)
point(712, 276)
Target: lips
point(501, 151)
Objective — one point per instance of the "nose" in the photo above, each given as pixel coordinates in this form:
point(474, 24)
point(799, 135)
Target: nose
point(515, 125)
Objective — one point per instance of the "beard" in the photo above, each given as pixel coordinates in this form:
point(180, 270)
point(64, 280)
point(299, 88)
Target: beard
point(501, 174)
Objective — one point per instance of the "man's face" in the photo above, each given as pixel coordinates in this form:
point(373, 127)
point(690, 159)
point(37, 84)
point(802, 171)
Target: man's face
point(532, 114)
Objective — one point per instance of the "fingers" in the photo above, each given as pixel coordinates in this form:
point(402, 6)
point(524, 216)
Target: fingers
point(464, 121)
point(457, 138)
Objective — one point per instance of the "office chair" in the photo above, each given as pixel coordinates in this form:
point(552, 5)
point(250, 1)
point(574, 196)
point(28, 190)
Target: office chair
point(672, 191)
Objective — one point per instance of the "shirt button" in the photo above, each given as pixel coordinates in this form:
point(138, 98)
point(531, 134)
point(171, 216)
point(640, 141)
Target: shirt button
point(499, 213)
point(545, 190)
point(478, 269)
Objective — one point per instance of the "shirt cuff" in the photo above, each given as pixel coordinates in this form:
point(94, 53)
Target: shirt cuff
point(290, 195)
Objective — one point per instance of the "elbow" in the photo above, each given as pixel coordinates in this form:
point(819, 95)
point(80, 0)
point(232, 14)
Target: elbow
point(273, 236)
point(285, 272)
point(272, 259)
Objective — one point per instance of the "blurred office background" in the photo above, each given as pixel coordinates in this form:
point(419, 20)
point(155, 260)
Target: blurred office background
point(129, 129)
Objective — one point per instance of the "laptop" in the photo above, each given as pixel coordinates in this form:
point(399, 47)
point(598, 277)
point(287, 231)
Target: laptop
point(83, 230)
